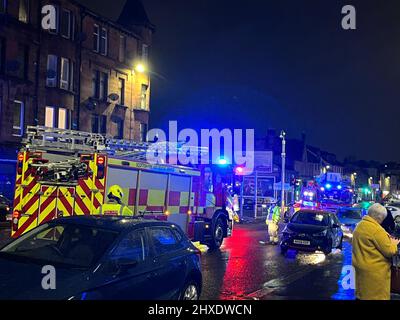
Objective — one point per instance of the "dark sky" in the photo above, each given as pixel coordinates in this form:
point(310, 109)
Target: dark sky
point(281, 64)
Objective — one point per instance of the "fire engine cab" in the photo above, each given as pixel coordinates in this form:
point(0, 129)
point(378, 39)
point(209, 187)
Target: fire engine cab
point(63, 173)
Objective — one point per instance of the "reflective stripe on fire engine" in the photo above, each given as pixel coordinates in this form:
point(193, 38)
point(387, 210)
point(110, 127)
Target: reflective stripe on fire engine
point(48, 204)
point(26, 199)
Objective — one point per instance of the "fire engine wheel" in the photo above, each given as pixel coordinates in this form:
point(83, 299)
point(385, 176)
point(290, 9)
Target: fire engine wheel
point(191, 292)
point(218, 235)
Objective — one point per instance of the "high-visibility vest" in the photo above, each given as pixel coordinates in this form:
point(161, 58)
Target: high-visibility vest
point(114, 209)
point(274, 215)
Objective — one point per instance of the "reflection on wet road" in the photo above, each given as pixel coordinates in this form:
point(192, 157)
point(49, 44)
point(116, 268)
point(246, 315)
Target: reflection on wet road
point(246, 269)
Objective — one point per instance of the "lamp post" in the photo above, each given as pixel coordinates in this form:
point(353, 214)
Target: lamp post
point(283, 137)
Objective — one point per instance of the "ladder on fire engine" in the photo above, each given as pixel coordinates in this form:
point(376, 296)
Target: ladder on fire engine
point(78, 142)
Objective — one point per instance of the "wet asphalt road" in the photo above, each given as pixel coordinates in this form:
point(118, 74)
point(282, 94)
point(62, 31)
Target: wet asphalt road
point(246, 269)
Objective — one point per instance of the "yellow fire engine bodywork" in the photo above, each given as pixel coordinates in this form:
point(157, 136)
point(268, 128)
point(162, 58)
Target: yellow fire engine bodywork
point(166, 189)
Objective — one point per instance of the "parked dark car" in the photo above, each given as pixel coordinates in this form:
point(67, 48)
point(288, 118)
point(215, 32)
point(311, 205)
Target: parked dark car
point(5, 209)
point(102, 258)
point(310, 230)
point(349, 219)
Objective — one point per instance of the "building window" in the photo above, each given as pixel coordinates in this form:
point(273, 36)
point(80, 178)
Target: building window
point(23, 12)
point(19, 66)
point(122, 48)
point(100, 40)
point(18, 118)
point(64, 76)
point(104, 41)
point(99, 124)
point(121, 88)
point(96, 38)
point(143, 96)
point(100, 85)
point(3, 6)
point(2, 55)
point(143, 132)
point(145, 52)
point(49, 121)
point(120, 129)
point(51, 77)
point(66, 23)
point(57, 117)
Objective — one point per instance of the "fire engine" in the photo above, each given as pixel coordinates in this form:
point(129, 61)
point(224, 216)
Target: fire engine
point(63, 173)
point(328, 192)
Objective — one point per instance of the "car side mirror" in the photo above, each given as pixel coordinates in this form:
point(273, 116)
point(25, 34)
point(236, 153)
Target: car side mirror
point(121, 265)
point(126, 263)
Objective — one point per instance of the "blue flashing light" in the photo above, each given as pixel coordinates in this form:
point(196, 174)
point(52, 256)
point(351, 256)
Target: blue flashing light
point(222, 162)
point(339, 187)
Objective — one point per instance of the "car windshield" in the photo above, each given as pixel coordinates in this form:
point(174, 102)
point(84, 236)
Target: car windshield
point(350, 214)
point(66, 244)
point(311, 218)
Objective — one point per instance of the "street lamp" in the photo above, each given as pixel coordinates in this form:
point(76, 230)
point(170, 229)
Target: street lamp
point(283, 137)
point(140, 67)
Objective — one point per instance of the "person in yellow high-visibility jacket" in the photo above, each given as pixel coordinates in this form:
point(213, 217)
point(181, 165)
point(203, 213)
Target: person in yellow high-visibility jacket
point(272, 221)
point(114, 205)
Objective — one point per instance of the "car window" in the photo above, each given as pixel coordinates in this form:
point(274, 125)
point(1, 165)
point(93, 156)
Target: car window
point(350, 214)
point(311, 218)
point(68, 244)
point(164, 240)
point(132, 247)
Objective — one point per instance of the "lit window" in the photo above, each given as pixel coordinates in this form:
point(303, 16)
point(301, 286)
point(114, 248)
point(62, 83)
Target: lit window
point(18, 118)
point(23, 13)
point(62, 118)
point(49, 121)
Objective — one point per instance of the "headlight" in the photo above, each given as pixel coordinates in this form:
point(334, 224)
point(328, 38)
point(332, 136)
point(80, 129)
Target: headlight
point(321, 234)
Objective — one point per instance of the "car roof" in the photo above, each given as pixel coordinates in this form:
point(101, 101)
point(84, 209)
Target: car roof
point(110, 222)
point(315, 211)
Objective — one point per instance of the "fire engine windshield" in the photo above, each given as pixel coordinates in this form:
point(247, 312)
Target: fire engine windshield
point(70, 245)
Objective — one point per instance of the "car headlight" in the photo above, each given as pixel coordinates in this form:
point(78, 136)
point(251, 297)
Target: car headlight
point(321, 234)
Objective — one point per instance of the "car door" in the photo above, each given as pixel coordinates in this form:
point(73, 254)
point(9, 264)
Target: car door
point(129, 281)
point(169, 262)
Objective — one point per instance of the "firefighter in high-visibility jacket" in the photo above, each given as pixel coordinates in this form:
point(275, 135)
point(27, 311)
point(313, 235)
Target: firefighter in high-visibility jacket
point(114, 205)
point(272, 221)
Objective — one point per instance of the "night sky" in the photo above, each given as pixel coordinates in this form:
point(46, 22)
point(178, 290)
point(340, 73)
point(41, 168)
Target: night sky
point(280, 64)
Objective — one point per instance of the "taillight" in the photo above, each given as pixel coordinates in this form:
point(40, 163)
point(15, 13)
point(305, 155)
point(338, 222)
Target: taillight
point(101, 161)
point(15, 220)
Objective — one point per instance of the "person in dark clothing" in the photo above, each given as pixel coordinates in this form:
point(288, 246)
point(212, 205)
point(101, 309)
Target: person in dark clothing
point(388, 224)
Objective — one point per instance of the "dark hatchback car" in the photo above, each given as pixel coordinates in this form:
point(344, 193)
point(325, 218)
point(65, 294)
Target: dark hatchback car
point(101, 258)
point(310, 230)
